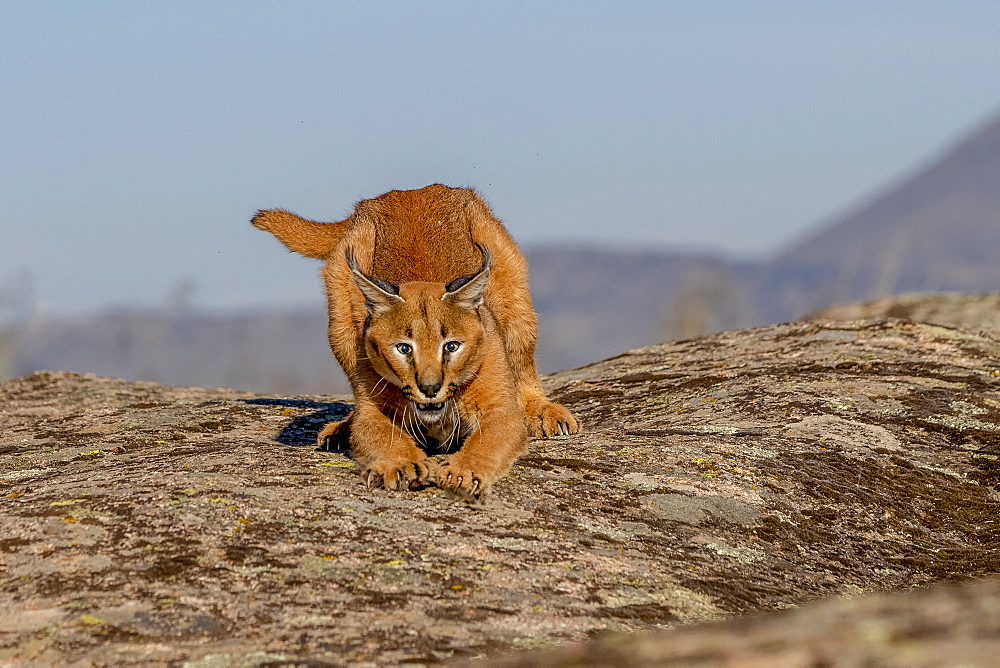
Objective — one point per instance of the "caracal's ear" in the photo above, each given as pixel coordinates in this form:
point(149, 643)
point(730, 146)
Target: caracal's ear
point(308, 237)
point(467, 291)
point(380, 296)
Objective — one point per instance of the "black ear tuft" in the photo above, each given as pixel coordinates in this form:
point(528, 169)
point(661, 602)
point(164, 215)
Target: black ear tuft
point(467, 291)
point(385, 286)
point(452, 286)
point(379, 295)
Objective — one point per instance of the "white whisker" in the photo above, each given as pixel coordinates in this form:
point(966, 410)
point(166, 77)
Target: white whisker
point(455, 434)
point(445, 442)
point(414, 425)
point(405, 425)
point(392, 426)
point(472, 375)
point(380, 381)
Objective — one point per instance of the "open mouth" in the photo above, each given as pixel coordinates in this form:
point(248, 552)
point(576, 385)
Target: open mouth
point(430, 408)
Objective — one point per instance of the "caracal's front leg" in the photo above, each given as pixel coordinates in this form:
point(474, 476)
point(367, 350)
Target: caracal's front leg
point(548, 418)
point(387, 454)
point(542, 416)
point(497, 441)
point(518, 324)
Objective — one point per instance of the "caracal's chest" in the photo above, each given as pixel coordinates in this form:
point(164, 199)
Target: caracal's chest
point(446, 433)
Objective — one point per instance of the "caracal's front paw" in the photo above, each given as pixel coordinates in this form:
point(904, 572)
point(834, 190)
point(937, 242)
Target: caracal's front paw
point(399, 473)
point(336, 436)
point(465, 480)
point(547, 418)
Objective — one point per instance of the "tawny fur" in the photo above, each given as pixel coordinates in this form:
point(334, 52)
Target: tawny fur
point(419, 240)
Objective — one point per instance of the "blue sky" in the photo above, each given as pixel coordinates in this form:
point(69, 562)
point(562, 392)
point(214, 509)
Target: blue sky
point(139, 137)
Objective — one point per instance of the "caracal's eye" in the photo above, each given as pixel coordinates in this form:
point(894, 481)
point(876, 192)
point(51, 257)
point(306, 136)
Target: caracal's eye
point(452, 346)
point(404, 348)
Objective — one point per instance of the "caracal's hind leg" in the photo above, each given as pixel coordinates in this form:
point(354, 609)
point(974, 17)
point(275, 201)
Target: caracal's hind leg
point(519, 324)
point(336, 436)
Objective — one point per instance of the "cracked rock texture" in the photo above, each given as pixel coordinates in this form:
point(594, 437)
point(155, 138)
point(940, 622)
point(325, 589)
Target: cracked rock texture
point(738, 473)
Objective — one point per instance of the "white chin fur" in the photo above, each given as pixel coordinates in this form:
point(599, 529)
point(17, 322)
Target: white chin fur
point(429, 417)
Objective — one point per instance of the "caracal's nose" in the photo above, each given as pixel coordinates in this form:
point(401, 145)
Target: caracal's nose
point(429, 390)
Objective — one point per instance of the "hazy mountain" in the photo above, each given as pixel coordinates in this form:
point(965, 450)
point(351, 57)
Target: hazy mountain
point(591, 305)
point(937, 230)
point(249, 351)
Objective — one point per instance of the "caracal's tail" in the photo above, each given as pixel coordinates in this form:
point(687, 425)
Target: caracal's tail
point(303, 236)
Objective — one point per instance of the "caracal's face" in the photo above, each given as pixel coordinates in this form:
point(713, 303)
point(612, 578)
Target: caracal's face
point(426, 345)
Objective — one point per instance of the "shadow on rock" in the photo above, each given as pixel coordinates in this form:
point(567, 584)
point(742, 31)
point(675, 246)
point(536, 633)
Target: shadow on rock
point(303, 430)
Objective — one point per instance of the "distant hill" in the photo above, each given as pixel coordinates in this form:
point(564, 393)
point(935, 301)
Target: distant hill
point(264, 351)
point(937, 230)
point(591, 305)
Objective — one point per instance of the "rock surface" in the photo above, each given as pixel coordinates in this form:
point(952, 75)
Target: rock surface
point(937, 626)
point(951, 309)
point(742, 472)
